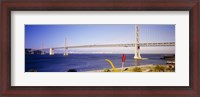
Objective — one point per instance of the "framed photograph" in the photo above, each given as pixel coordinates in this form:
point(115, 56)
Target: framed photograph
point(85, 48)
point(139, 48)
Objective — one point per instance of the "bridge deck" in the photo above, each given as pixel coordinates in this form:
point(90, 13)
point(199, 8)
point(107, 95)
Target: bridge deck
point(119, 45)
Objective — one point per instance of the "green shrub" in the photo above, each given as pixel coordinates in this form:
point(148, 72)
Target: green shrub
point(171, 68)
point(137, 69)
point(106, 70)
point(159, 68)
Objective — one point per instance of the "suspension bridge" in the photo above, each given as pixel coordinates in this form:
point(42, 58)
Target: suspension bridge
point(137, 45)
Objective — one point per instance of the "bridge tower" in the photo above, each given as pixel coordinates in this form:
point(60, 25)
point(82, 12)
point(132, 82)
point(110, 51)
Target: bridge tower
point(65, 48)
point(51, 51)
point(137, 43)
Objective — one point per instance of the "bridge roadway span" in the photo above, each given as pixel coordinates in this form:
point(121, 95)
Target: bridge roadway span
point(119, 45)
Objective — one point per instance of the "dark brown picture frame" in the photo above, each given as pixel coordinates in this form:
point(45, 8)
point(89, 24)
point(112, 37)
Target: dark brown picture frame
point(193, 90)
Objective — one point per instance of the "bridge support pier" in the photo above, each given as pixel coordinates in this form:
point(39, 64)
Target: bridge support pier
point(51, 51)
point(65, 52)
point(137, 43)
point(65, 49)
point(32, 51)
point(137, 52)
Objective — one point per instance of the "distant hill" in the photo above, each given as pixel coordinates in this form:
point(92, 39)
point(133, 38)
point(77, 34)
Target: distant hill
point(29, 51)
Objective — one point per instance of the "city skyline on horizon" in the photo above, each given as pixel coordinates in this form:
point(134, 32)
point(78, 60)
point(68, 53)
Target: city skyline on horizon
point(96, 34)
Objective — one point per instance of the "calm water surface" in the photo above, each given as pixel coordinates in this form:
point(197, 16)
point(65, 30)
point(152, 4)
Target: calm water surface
point(84, 62)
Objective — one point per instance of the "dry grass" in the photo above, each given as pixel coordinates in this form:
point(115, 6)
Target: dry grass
point(145, 68)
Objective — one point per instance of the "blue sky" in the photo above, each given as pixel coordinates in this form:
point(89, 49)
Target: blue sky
point(89, 34)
